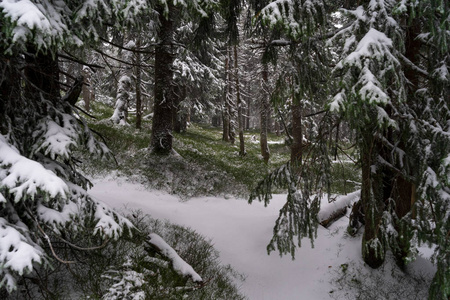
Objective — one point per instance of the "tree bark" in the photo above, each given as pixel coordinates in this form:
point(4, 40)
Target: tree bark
point(264, 113)
point(226, 109)
point(87, 89)
point(231, 104)
point(42, 76)
point(179, 113)
point(138, 73)
point(297, 133)
point(373, 248)
point(9, 90)
point(242, 151)
point(161, 140)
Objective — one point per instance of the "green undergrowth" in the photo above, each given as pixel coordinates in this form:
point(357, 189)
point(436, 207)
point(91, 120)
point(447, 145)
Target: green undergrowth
point(128, 268)
point(202, 164)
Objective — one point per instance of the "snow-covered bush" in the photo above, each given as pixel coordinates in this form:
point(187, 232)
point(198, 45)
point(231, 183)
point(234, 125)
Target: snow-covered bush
point(149, 274)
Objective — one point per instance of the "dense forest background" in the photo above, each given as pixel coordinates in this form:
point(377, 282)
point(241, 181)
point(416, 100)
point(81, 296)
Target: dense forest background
point(362, 81)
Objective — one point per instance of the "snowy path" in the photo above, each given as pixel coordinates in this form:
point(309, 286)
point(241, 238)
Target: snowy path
point(241, 232)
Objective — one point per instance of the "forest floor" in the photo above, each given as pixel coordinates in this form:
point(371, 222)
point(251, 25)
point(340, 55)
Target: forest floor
point(333, 269)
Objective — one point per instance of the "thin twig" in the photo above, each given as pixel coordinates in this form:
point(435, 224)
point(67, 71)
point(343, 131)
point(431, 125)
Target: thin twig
point(71, 57)
point(128, 49)
point(85, 112)
point(81, 248)
point(122, 61)
point(47, 238)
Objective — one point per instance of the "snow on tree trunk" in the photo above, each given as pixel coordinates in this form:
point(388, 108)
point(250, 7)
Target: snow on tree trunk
point(231, 103)
point(137, 75)
point(161, 140)
point(88, 89)
point(264, 113)
point(226, 107)
point(120, 115)
point(239, 104)
point(331, 211)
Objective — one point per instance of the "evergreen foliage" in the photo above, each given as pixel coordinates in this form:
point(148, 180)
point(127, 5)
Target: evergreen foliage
point(395, 100)
point(42, 193)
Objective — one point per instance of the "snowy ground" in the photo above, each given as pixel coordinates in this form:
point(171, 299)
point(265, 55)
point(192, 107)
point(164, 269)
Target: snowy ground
point(241, 232)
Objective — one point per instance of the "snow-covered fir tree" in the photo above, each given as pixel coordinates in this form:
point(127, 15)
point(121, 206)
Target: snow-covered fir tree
point(41, 192)
point(43, 197)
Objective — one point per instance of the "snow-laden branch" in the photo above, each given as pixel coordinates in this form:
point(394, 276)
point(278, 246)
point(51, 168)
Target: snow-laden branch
point(178, 264)
point(22, 176)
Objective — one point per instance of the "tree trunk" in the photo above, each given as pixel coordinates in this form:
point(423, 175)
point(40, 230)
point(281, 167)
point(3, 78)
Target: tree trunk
point(42, 76)
point(231, 105)
point(9, 90)
point(179, 114)
point(402, 190)
point(138, 73)
point(239, 105)
point(161, 140)
point(247, 117)
point(226, 109)
point(264, 113)
point(297, 133)
point(87, 89)
point(120, 115)
point(373, 248)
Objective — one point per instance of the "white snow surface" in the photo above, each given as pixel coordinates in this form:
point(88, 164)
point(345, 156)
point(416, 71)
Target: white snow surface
point(240, 232)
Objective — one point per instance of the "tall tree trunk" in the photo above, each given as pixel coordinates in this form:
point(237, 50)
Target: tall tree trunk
point(232, 105)
point(297, 133)
point(87, 90)
point(120, 115)
point(138, 73)
point(9, 90)
point(161, 140)
point(226, 108)
point(239, 105)
point(247, 116)
point(264, 113)
point(402, 190)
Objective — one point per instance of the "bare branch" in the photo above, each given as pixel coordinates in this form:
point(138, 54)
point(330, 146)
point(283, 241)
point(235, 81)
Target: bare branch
point(71, 57)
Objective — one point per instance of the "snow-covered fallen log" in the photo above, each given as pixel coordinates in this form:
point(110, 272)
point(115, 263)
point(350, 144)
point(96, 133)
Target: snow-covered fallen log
point(330, 212)
point(178, 264)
